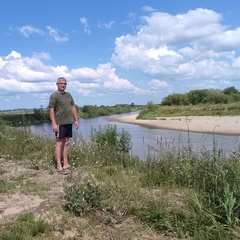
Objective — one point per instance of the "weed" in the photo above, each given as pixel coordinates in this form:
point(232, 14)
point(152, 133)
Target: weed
point(25, 227)
point(6, 186)
point(82, 196)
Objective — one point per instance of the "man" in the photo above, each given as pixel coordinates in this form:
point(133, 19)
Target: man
point(63, 114)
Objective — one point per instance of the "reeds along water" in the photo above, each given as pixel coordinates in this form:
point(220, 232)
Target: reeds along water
point(146, 139)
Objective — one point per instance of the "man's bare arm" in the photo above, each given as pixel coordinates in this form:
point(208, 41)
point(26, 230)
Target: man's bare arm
point(53, 120)
point(75, 115)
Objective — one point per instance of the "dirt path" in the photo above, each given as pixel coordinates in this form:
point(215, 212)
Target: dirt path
point(27, 189)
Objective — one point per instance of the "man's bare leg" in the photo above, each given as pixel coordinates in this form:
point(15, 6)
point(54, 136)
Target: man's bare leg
point(65, 154)
point(59, 152)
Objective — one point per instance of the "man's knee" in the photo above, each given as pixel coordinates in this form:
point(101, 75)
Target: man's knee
point(60, 142)
point(67, 141)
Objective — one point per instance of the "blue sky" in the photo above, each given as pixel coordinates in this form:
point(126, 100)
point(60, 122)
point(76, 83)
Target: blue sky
point(116, 51)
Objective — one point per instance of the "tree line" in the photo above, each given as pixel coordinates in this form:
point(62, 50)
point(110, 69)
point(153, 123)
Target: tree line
point(203, 96)
point(89, 111)
point(41, 115)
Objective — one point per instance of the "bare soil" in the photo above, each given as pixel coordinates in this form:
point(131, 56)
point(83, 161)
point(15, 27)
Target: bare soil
point(42, 192)
point(19, 200)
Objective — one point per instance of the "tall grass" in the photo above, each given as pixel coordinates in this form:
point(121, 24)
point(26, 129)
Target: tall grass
point(177, 193)
point(19, 143)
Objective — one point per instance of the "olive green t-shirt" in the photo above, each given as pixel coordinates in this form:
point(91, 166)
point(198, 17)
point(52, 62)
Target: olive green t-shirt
point(62, 104)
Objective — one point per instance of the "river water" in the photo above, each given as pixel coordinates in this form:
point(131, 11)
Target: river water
point(147, 141)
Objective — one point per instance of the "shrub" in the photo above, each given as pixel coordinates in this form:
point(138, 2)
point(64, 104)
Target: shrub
point(109, 137)
point(82, 197)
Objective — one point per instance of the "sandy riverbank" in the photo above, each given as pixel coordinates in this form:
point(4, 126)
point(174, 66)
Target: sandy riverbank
point(226, 125)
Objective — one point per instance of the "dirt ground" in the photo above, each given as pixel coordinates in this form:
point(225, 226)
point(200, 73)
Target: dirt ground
point(15, 202)
point(42, 192)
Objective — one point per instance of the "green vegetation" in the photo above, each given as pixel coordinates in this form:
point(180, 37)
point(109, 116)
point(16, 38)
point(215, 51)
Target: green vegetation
point(203, 96)
point(195, 103)
point(89, 111)
point(176, 194)
point(24, 118)
point(27, 117)
point(25, 227)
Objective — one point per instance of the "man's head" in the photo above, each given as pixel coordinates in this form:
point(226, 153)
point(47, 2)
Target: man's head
point(61, 84)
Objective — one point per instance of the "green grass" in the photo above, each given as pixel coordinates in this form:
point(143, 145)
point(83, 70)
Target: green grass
point(4, 186)
point(230, 109)
point(177, 194)
point(24, 227)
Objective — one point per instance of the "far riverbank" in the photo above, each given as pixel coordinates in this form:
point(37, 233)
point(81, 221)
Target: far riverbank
point(225, 125)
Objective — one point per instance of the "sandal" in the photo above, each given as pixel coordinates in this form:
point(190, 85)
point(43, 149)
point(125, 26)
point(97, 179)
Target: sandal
point(62, 171)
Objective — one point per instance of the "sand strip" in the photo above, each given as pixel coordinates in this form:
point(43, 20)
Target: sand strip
point(225, 125)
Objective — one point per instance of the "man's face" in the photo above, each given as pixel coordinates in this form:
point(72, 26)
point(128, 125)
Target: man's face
point(61, 85)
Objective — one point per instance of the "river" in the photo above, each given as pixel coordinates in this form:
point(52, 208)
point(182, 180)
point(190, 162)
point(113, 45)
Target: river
point(147, 141)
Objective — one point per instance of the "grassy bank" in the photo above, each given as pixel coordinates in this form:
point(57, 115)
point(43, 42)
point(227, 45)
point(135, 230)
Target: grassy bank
point(112, 195)
point(153, 111)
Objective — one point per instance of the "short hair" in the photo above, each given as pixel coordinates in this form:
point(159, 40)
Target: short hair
point(61, 78)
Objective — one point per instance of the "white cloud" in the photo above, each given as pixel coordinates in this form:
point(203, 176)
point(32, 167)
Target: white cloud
point(108, 25)
point(25, 74)
point(27, 30)
point(158, 84)
point(13, 85)
point(148, 9)
point(14, 66)
point(191, 45)
point(55, 35)
point(131, 16)
point(84, 23)
point(85, 74)
point(112, 81)
point(41, 55)
point(13, 55)
point(236, 62)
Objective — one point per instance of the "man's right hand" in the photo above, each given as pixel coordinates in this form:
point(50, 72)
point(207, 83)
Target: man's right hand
point(55, 127)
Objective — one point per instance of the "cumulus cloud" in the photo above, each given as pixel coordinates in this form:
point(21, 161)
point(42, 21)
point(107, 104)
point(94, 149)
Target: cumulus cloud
point(112, 81)
point(158, 84)
point(42, 55)
point(13, 85)
point(191, 45)
point(15, 67)
point(29, 74)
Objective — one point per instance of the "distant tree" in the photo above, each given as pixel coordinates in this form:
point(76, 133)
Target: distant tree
point(103, 111)
point(119, 109)
point(175, 99)
point(197, 96)
point(90, 111)
point(40, 115)
point(230, 90)
point(216, 97)
point(151, 106)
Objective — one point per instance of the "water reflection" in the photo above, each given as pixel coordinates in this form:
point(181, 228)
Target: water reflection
point(148, 140)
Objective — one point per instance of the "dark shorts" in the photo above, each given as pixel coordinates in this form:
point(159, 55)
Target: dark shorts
point(64, 131)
